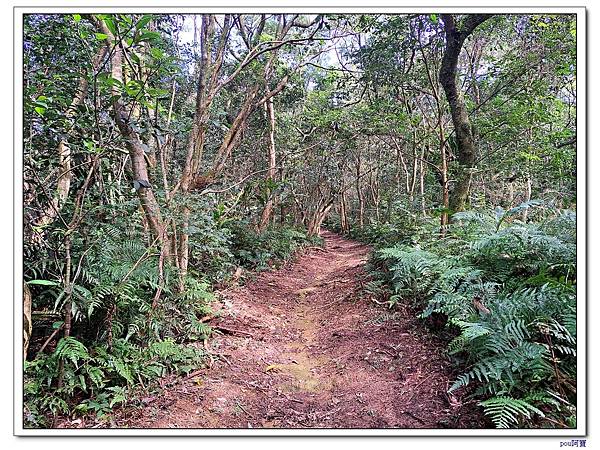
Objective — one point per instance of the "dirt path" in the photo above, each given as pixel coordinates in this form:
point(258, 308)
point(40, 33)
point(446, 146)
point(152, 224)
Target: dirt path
point(303, 350)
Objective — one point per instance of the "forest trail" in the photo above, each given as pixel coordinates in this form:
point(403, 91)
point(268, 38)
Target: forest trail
point(302, 349)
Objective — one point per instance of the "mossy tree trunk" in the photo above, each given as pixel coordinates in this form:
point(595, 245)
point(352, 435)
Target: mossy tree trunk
point(456, 34)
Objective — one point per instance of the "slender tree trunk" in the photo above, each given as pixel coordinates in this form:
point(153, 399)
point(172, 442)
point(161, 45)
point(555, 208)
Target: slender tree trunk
point(195, 143)
point(27, 324)
point(445, 190)
point(139, 166)
point(443, 169)
point(410, 188)
point(422, 182)
point(374, 188)
point(400, 159)
point(344, 214)
point(233, 136)
point(444, 218)
point(411, 194)
point(388, 213)
point(268, 209)
point(527, 197)
point(359, 193)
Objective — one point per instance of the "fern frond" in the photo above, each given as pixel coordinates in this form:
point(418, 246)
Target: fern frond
point(506, 412)
point(71, 349)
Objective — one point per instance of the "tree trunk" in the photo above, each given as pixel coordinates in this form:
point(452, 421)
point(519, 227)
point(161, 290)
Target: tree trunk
point(209, 85)
point(314, 224)
point(359, 193)
point(139, 167)
point(374, 189)
point(411, 194)
point(455, 39)
point(27, 324)
point(195, 143)
point(422, 182)
point(527, 197)
point(400, 159)
point(444, 183)
point(344, 214)
point(268, 209)
point(134, 144)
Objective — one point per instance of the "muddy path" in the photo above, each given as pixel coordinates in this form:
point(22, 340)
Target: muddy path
point(302, 349)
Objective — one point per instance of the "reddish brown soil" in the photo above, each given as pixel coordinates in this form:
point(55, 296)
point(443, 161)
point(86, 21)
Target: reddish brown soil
point(302, 349)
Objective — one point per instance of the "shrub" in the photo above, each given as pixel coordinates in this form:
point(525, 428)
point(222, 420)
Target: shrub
point(510, 297)
point(98, 378)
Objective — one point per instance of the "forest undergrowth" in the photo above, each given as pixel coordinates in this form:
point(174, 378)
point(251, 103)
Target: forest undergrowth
point(121, 342)
point(503, 293)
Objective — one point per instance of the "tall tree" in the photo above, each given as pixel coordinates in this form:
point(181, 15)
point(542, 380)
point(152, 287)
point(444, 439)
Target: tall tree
point(456, 34)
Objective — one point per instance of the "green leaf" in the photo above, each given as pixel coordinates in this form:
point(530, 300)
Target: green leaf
point(149, 36)
point(133, 88)
point(123, 369)
point(126, 18)
point(110, 24)
point(155, 92)
point(156, 53)
point(101, 36)
point(76, 17)
point(82, 383)
point(40, 110)
point(506, 411)
point(143, 22)
point(90, 145)
point(43, 282)
point(71, 349)
point(434, 18)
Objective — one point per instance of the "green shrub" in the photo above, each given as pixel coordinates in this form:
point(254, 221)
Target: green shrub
point(256, 251)
point(510, 297)
point(98, 378)
point(122, 335)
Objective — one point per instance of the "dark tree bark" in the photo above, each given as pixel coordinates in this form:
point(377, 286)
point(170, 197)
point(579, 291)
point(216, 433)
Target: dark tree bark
point(455, 38)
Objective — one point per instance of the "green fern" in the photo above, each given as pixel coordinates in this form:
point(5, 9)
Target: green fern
point(506, 412)
point(71, 349)
point(523, 331)
point(123, 369)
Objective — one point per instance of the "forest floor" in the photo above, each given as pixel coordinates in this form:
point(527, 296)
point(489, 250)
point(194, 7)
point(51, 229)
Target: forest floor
point(302, 348)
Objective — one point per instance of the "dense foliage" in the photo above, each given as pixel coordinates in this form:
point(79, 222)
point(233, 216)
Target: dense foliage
point(164, 155)
point(506, 290)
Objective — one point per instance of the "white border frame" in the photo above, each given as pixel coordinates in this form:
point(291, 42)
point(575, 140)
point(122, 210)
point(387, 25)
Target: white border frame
point(69, 7)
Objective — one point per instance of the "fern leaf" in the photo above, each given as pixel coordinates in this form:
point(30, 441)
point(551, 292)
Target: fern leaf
point(505, 412)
